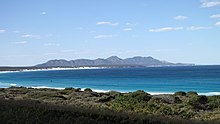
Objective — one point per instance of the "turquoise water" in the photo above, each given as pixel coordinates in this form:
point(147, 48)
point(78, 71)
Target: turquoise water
point(202, 79)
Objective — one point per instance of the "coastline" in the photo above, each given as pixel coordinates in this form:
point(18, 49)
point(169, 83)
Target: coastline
point(53, 69)
point(105, 91)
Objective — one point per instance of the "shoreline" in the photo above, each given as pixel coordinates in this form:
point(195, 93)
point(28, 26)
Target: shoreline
point(52, 69)
point(120, 91)
point(30, 69)
point(105, 91)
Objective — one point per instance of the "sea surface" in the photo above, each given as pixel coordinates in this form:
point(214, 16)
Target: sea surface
point(155, 80)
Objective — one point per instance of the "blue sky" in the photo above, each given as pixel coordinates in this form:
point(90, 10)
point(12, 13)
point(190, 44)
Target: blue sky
point(34, 31)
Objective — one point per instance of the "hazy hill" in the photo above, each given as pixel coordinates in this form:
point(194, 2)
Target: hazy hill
point(111, 61)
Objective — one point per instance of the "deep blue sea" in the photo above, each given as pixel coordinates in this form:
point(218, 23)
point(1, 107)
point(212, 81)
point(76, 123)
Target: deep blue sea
point(202, 79)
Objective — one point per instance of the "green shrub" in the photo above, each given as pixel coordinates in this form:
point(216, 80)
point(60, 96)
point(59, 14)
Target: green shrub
point(213, 102)
point(180, 93)
point(31, 112)
point(88, 90)
point(114, 93)
point(105, 98)
point(203, 99)
point(187, 114)
point(166, 110)
point(143, 97)
point(140, 95)
point(191, 93)
point(198, 102)
point(69, 88)
point(77, 90)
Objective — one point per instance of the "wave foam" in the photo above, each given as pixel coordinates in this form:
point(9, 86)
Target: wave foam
point(210, 93)
point(6, 85)
point(13, 84)
point(54, 69)
point(2, 72)
point(97, 90)
point(43, 87)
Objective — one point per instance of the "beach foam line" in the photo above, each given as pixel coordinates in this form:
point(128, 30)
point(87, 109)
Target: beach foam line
point(46, 87)
point(6, 85)
point(13, 84)
point(97, 90)
point(210, 93)
point(55, 69)
point(59, 88)
point(2, 72)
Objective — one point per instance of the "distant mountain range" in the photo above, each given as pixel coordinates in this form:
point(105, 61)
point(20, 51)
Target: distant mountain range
point(112, 61)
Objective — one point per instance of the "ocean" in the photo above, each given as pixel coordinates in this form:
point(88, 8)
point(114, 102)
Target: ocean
point(155, 80)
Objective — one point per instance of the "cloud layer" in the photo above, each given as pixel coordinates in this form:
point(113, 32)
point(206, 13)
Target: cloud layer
point(215, 16)
point(210, 3)
point(180, 17)
point(193, 28)
point(51, 44)
point(43, 13)
point(217, 24)
point(127, 29)
point(20, 42)
point(105, 36)
point(107, 23)
point(30, 36)
point(165, 29)
point(2, 30)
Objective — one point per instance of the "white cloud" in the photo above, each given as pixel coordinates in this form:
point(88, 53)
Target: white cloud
point(130, 24)
point(2, 30)
point(16, 31)
point(215, 16)
point(43, 13)
point(180, 17)
point(165, 29)
point(193, 28)
point(20, 42)
point(107, 23)
point(51, 44)
point(210, 3)
point(26, 35)
point(127, 29)
point(103, 23)
point(217, 24)
point(30, 36)
point(105, 36)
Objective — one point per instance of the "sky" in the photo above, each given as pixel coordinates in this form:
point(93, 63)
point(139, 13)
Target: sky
point(35, 31)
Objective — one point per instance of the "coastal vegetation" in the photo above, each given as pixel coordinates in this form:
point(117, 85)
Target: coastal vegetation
point(72, 105)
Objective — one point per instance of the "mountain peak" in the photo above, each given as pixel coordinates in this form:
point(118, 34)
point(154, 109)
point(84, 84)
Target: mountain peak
point(150, 57)
point(113, 58)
